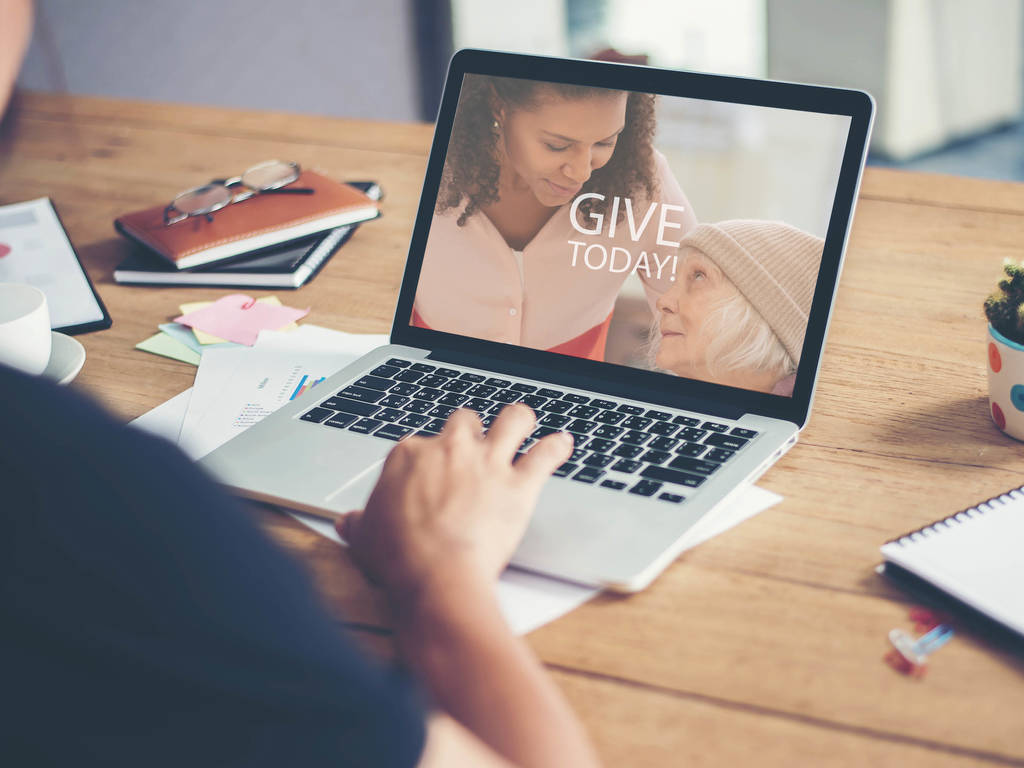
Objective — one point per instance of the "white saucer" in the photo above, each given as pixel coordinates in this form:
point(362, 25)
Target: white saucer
point(67, 357)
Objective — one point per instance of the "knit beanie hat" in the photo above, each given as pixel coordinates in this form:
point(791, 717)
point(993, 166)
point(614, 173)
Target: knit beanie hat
point(774, 265)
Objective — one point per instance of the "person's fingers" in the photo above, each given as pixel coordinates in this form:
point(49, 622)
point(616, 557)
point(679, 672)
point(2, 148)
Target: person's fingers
point(513, 425)
point(463, 424)
point(547, 455)
point(346, 524)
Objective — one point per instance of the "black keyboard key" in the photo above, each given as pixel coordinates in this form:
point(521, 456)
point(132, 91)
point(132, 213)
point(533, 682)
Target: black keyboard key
point(555, 420)
point(555, 393)
point(365, 426)
point(448, 373)
point(456, 385)
point(398, 363)
point(453, 398)
point(375, 382)
point(478, 404)
point(577, 454)
point(700, 466)
point(419, 406)
point(423, 367)
point(663, 428)
point(432, 381)
point(598, 460)
point(351, 406)
point(360, 394)
point(600, 445)
point(500, 383)
point(588, 475)
point(667, 475)
point(663, 443)
point(603, 404)
point(741, 432)
point(633, 437)
point(441, 411)
point(534, 401)
point(404, 388)
point(691, 449)
point(387, 371)
point(393, 401)
point(714, 426)
point(628, 451)
point(675, 498)
point(609, 417)
point(340, 420)
point(606, 430)
point(686, 421)
point(645, 488)
point(488, 420)
point(566, 469)
point(390, 414)
point(626, 465)
point(540, 432)
point(434, 425)
point(558, 406)
point(428, 393)
point(636, 422)
point(732, 442)
point(317, 415)
point(584, 411)
point(393, 432)
point(481, 390)
point(473, 378)
point(497, 407)
point(525, 445)
point(580, 426)
point(408, 375)
point(506, 396)
point(632, 410)
point(615, 485)
point(415, 420)
point(692, 434)
point(719, 454)
point(572, 397)
point(525, 388)
point(656, 457)
point(658, 415)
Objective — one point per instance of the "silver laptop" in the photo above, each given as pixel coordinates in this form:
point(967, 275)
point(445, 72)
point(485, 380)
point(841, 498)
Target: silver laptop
point(647, 258)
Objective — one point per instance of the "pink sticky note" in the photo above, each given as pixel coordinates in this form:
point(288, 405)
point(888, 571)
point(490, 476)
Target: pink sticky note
point(240, 318)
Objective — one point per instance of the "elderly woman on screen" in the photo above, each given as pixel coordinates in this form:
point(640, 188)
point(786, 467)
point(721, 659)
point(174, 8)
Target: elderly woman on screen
point(737, 311)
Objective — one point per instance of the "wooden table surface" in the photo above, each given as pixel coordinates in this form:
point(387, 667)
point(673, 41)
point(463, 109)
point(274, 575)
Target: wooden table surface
point(761, 647)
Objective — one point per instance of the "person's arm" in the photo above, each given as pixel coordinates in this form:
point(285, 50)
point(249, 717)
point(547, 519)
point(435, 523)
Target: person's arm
point(436, 533)
point(15, 28)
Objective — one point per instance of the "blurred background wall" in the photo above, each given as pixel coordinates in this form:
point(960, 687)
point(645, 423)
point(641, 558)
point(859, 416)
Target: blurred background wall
point(946, 74)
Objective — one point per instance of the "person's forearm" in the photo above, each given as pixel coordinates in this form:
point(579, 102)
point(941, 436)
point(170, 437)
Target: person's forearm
point(455, 640)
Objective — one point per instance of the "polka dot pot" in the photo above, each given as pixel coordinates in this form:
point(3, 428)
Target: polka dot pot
point(1006, 383)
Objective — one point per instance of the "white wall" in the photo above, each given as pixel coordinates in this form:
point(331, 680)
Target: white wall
point(350, 58)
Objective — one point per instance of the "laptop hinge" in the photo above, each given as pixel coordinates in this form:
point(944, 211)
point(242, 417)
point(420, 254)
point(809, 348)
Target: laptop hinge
point(567, 379)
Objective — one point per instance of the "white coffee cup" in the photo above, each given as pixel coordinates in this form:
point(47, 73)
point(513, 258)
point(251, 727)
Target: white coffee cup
point(24, 328)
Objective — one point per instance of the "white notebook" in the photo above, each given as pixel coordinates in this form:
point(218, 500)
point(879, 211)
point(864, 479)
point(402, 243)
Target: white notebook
point(975, 556)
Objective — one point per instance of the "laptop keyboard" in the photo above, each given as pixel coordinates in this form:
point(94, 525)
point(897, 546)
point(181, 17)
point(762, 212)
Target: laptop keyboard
point(618, 446)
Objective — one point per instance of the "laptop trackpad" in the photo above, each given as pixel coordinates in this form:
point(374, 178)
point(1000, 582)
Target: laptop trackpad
point(355, 491)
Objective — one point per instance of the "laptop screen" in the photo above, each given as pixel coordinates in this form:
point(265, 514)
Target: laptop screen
point(670, 234)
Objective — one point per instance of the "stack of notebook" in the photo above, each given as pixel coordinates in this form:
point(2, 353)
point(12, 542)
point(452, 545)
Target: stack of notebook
point(271, 241)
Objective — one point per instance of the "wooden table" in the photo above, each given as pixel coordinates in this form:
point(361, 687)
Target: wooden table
point(762, 647)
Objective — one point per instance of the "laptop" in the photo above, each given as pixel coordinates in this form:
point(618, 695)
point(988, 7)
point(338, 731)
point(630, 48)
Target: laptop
point(647, 258)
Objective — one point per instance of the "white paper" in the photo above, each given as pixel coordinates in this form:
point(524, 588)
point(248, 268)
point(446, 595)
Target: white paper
point(34, 249)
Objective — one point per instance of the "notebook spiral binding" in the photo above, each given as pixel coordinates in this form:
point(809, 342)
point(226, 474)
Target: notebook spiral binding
point(958, 517)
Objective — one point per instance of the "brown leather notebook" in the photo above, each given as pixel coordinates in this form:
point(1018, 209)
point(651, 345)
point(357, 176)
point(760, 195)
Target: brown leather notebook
point(260, 222)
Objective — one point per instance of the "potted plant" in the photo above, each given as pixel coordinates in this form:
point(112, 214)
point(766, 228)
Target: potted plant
point(1005, 312)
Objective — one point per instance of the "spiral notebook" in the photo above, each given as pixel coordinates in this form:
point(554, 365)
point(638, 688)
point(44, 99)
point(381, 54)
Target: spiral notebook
point(975, 556)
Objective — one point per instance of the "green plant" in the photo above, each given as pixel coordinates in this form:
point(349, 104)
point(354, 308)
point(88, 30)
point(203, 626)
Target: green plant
point(1005, 307)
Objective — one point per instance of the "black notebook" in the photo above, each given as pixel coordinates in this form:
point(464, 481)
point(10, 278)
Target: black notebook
point(288, 265)
point(975, 556)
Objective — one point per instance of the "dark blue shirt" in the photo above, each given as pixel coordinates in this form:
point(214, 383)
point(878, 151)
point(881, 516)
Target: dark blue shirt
point(147, 621)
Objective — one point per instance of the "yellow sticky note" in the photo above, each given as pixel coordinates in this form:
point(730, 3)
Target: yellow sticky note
point(166, 346)
point(208, 338)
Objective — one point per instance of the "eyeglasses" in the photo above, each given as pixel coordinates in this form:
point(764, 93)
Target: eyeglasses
point(271, 177)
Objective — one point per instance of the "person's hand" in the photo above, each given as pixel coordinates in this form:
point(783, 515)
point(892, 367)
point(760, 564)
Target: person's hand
point(452, 506)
